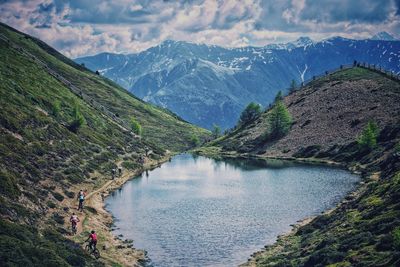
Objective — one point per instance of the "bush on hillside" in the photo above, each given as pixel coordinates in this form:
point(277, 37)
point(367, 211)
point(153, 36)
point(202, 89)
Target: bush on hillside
point(51, 204)
point(56, 108)
point(78, 120)
point(216, 131)
point(250, 113)
point(367, 139)
point(293, 86)
point(58, 196)
point(396, 238)
point(130, 165)
point(194, 139)
point(8, 185)
point(278, 97)
point(280, 120)
point(136, 127)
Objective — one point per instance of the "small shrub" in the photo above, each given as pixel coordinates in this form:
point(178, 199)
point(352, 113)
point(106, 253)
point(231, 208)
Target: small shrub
point(278, 97)
point(396, 238)
point(58, 218)
point(130, 165)
point(216, 131)
point(69, 194)
point(58, 196)
point(194, 140)
point(91, 209)
point(8, 185)
point(397, 149)
point(76, 260)
point(56, 108)
point(367, 139)
point(78, 120)
point(136, 127)
point(293, 86)
point(51, 204)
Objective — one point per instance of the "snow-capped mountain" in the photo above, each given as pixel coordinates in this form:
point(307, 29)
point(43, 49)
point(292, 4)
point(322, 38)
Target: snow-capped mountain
point(209, 84)
point(383, 36)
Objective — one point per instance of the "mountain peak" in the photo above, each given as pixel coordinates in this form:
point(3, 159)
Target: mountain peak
point(383, 36)
point(303, 41)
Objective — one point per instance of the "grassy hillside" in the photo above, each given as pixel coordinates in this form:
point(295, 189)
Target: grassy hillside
point(328, 117)
point(329, 111)
point(42, 155)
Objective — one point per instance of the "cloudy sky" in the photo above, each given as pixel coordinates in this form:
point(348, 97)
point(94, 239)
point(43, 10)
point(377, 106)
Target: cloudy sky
point(86, 27)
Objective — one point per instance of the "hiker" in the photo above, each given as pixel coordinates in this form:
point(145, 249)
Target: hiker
point(74, 221)
point(113, 172)
point(141, 159)
point(93, 240)
point(81, 198)
point(119, 171)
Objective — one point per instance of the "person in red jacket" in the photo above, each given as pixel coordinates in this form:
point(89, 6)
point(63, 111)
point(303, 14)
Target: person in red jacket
point(93, 240)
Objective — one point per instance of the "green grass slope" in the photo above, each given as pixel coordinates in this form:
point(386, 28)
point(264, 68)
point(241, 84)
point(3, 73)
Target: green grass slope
point(330, 111)
point(40, 157)
point(329, 115)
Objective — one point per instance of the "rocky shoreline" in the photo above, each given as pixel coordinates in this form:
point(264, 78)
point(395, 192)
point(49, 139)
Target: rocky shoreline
point(113, 249)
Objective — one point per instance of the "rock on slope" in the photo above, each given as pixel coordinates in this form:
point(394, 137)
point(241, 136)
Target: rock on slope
point(329, 114)
point(210, 84)
point(42, 158)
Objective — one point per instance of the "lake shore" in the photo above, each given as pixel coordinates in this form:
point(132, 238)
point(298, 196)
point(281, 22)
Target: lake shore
point(122, 252)
point(285, 239)
point(114, 250)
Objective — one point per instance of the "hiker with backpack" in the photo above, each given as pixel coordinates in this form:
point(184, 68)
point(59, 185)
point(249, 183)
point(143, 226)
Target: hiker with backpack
point(74, 221)
point(81, 199)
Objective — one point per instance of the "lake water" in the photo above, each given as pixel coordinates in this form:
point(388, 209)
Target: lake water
point(196, 211)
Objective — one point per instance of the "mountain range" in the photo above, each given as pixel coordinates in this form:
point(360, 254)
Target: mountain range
point(207, 84)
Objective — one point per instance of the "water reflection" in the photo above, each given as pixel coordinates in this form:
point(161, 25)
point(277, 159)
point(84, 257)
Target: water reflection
point(196, 211)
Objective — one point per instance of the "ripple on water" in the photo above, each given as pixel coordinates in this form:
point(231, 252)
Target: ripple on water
point(195, 211)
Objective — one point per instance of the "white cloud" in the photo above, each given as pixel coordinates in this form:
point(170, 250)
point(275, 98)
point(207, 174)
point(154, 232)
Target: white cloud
point(80, 27)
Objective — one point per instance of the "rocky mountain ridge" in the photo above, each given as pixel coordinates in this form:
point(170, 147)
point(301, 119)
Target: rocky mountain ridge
point(207, 84)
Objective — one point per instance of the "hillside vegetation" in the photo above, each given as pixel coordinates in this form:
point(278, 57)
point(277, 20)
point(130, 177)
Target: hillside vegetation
point(328, 112)
point(331, 122)
point(62, 126)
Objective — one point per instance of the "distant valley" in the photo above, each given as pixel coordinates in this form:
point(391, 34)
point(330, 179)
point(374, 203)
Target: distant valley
point(209, 85)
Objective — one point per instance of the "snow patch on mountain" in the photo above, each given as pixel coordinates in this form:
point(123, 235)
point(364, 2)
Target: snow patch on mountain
point(383, 36)
point(207, 84)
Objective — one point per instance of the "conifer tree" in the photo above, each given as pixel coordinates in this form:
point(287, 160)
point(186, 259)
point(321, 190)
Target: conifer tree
point(216, 131)
point(136, 127)
point(280, 120)
point(293, 86)
point(367, 139)
point(250, 113)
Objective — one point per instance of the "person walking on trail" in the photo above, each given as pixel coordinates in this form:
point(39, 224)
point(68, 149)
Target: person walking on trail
point(74, 221)
point(113, 173)
point(119, 171)
point(81, 198)
point(93, 240)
